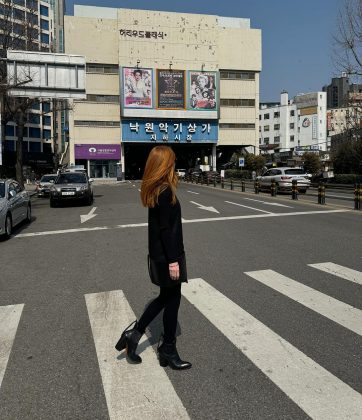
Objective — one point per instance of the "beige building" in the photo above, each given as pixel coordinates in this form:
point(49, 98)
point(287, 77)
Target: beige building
point(188, 80)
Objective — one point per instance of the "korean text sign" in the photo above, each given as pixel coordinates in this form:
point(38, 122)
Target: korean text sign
point(170, 131)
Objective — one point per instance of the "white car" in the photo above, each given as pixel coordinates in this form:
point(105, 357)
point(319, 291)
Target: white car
point(283, 178)
point(181, 173)
point(15, 206)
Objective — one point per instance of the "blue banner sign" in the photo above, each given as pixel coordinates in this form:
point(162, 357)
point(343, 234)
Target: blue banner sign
point(169, 131)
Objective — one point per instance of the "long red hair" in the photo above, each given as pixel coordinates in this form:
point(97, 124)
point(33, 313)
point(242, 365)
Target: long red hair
point(158, 175)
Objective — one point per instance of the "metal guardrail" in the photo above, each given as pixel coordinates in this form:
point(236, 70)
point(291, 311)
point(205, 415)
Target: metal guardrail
point(319, 190)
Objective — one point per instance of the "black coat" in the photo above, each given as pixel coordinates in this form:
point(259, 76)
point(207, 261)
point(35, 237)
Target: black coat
point(165, 240)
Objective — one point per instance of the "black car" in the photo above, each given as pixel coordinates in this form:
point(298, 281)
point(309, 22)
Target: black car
point(75, 186)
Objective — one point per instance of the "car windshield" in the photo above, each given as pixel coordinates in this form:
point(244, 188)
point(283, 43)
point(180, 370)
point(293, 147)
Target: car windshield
point(71, 179)
point(48, 178)
point(2, 189)
point(294, 172)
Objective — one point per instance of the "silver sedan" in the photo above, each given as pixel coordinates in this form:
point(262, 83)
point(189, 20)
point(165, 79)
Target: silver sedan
point(15, 206)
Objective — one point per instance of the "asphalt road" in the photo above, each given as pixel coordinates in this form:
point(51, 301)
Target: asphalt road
point(280, 344)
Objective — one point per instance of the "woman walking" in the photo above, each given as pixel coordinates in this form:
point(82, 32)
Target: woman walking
point(167, 264)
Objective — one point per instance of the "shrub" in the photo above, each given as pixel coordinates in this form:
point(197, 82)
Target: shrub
point(237, 173)
point(347, 178)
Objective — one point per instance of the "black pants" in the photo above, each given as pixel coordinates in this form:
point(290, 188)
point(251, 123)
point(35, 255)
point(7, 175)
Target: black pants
point(169, 299)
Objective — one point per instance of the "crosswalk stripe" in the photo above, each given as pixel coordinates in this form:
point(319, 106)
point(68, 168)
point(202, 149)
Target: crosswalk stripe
point(342, 313)
point(315, 390)
point(136, 392)
point(339, 271)
point(9, 321)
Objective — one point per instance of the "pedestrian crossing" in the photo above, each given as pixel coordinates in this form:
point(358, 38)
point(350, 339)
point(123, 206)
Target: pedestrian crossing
point(146, 391)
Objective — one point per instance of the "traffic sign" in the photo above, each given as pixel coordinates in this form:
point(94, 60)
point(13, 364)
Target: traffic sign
point(241, 162)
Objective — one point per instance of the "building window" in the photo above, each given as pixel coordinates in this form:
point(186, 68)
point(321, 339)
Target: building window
point(298, 129)
point(32, 5)
point(103, 98)
point(44, 24)
point(292, 113)
point(19, 14)
point(34, 119)
point(34, 132)
point(243, 126)
point(291, 126)
point(10, 130)
point(276, 126)
point(102, 68)
point(9, 146)
point(276, 114)
point(34, 146)
point(237, 102)
point(44, 10)
point(81, 123)
point(46, 107)
point(291, 138)
point(320, 121)
point(266, 116)
point(237, 75)
point(277, 139)
point(47, 120)
point(44, 38)
point(47, 134)
point(32, 18)
point(47, 148)
point(19, 2)
point(266, 128)
point(266, 140)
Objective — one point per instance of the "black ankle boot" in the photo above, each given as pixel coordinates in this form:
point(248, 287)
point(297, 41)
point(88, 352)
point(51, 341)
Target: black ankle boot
point(130, 339)
point(168, 355)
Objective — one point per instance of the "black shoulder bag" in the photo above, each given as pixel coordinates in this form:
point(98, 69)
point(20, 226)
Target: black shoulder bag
point(160, 274)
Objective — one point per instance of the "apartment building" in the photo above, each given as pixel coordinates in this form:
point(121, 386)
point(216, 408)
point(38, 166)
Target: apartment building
point(293, 126)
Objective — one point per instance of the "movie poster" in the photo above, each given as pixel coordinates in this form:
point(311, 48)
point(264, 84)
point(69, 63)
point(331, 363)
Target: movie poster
point(171, 89)
point(137, 87)
point(202, 91)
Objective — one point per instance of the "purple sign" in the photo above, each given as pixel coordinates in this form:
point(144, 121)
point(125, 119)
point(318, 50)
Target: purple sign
point(98, 151)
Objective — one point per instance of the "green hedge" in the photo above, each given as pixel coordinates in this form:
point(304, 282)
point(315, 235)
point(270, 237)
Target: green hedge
point(347, 178)
point(237, 173)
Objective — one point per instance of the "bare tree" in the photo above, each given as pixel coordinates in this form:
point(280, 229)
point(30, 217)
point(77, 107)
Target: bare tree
point(348, 39)
point(18, 31)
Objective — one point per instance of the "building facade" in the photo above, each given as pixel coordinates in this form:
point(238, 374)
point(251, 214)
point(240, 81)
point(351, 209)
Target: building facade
point(190, 81)
point(340, 92)
point(294, 126)
point(29, 25)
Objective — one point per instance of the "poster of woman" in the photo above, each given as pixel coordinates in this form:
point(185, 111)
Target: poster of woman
point(202, 90)
point(137, 88)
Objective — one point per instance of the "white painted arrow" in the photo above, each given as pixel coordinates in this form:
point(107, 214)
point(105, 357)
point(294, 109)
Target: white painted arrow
point(269, 204)
point(85, 217)
point(201, 207)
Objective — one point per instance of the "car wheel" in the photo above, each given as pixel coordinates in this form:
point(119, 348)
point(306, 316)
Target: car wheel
point(28, 214)
point(8, 226)
point(90, 200)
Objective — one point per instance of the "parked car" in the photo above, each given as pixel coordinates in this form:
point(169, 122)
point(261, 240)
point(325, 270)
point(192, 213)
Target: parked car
point(15, 206)
point(181, 173)
point(210, 175)
point(46, 181)
point(283, 177)
point(75, 186)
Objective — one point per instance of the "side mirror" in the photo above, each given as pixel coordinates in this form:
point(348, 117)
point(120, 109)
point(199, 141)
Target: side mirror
point(12, 194)
point(91, 180)
point(52, 181)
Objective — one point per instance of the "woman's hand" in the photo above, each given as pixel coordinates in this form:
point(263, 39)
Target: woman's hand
point(174, 271)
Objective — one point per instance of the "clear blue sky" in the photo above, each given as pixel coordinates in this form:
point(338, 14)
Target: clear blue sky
point(297, 36)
